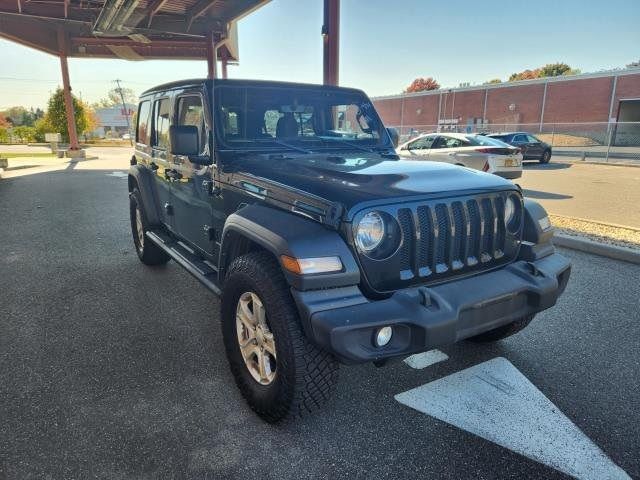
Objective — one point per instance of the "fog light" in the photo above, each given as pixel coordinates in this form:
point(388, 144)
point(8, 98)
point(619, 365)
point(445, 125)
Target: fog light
point(383, 336)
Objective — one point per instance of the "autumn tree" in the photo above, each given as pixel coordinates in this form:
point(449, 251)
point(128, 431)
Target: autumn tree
point(56, 116)
point(548, 70)
point(422, 84)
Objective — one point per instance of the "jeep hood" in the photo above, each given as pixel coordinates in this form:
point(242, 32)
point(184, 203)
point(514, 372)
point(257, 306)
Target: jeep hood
point(361, 177)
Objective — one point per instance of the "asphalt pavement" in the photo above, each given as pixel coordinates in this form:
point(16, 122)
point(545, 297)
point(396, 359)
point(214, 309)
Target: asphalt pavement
point(110, 369)
point(604, 193)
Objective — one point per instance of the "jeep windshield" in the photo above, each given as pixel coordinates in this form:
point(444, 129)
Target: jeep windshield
point(300, 119)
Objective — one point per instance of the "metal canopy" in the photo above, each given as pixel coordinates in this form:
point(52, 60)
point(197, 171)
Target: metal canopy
point(128, 29)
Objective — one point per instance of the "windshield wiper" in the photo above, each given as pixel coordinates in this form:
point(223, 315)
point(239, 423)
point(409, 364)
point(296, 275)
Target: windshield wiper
point(284, 144)
point(346, 142)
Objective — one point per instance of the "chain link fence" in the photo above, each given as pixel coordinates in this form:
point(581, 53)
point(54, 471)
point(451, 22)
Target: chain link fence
point(617, 142)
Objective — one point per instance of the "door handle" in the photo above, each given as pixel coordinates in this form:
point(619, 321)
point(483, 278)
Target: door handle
point(208, 187)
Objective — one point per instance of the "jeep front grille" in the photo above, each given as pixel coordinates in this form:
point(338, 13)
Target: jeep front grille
point(443, 239)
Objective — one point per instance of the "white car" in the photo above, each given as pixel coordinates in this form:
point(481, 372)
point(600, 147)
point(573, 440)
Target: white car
point(467, 150)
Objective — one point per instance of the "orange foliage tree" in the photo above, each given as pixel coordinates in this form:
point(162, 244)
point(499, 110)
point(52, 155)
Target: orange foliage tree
point(422, 84)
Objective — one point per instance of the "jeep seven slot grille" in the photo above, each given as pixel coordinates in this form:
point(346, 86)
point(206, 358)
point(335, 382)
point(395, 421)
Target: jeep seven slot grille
point(446, 238)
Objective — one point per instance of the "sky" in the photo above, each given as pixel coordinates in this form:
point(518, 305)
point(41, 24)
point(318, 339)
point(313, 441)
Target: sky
point(384, 45)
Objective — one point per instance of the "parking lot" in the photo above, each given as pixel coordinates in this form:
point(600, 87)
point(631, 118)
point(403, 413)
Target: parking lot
point(111, 369)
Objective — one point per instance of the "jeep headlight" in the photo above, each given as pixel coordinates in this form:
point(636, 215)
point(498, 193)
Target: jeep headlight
point(377, 235)
point(512, 213)
point(370, 232)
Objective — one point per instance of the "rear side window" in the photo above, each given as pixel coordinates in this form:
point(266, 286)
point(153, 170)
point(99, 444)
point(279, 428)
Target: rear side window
point(504, 138)
point(449, 142)
point(161, 122)
point(520, 138)
point(142, 135)
point(191, 112)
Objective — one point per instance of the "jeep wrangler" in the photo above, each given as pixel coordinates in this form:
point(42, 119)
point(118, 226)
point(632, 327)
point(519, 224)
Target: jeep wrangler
point(290, 203)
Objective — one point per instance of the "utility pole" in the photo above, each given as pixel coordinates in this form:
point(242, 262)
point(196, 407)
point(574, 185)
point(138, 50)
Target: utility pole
point(124, 110)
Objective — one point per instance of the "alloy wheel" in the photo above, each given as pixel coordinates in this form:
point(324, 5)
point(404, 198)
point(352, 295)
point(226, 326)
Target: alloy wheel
point(256, 341)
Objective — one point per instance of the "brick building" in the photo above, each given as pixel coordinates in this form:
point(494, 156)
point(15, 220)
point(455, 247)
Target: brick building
point(601, 98)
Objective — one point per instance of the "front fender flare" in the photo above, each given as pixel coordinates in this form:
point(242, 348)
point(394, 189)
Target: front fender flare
point(284, 233)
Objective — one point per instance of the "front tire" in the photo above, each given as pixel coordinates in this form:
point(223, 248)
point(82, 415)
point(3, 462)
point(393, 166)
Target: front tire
point(503, 331)
point(546, 156)
point(148, 252)
point(259, 318)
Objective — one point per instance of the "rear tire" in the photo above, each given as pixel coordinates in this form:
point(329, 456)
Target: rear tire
point(546, 156)
point(304, 374)
point(503, 331)
point(148, 252)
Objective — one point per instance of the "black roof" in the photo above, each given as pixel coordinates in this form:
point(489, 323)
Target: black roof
point(239, 82)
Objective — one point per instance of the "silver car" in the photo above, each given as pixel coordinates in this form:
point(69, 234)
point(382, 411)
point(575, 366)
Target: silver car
point(467, 150)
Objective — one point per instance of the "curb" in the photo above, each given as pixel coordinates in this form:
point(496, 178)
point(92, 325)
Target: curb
point(589, 246)
point(610, 164)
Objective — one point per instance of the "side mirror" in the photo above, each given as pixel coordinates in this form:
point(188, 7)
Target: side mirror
point(184, 140)
point(395, 136)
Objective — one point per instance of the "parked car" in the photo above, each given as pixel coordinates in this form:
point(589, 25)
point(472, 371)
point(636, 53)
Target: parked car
point(289, 202)
point(531, 147)
point(467, 150)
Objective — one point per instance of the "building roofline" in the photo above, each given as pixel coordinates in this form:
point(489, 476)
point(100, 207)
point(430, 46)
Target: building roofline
point(518, 83)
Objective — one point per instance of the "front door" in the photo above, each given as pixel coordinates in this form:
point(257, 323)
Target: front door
point(192, 187)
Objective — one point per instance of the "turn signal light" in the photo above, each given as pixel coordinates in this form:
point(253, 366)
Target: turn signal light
point(305, 266)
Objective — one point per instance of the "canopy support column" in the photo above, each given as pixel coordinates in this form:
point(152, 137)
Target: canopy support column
point(66, 86)
point(331, 42)
point(212, 56)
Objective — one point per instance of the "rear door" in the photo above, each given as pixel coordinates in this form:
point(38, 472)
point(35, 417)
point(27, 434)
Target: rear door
point(521, 141)
point(450, 150)
point(534, 146)
point(192, 200)
point(159, 152)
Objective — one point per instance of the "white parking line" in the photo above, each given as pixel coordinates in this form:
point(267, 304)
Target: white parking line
point(423, 360)
point(498, 403)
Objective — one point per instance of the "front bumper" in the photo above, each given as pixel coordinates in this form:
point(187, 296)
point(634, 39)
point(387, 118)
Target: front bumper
point(344, 322)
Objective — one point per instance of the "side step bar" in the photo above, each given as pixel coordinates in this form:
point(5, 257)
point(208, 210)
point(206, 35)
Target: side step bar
point(203, 271)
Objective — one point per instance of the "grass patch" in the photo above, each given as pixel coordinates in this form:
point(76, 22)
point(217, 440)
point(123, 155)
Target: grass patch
point(26, 155)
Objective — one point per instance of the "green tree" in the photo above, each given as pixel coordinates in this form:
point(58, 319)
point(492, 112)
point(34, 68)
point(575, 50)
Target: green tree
point(24, 133)
point(4, 135)
point(56, 116)
point(548, 70)
point(113, 98)
point(557, 70)
point(493, 80)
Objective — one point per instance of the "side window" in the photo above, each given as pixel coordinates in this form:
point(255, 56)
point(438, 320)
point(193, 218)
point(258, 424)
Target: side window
point(142, 130)
point(532, 139)
point(161, 122)
point(519, 139)
point(449, 142)
point(423, 143)
point(191, 112)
